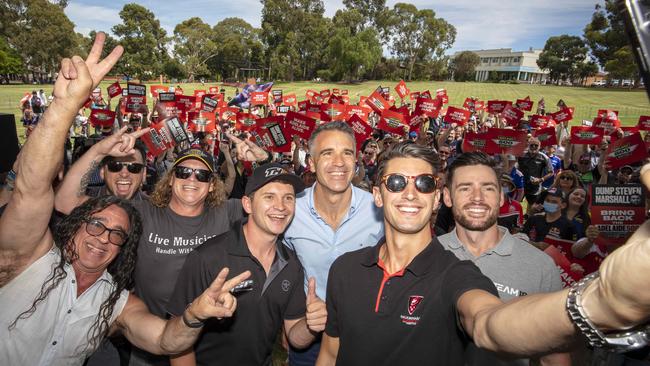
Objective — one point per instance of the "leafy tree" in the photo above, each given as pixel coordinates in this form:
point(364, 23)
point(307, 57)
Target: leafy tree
point(562, 56)
point(144, 42)
point(194, 46)
point(10, 61)
point(238, 45)
point(371, 11)
point(417, 35)
point(463, 65)
point(173, 69)
point(349, 53)
point(622, 65)
point(587, 69)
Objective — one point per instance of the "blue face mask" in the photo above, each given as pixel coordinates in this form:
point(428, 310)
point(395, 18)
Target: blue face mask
point(551, 207)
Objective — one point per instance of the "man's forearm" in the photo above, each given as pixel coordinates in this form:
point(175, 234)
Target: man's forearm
point(299, 335)
point(178, 337)
point(72, 190)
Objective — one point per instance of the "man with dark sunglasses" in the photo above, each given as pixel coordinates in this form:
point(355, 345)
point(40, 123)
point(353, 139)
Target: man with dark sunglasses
point(536, 168)
point(408, 301)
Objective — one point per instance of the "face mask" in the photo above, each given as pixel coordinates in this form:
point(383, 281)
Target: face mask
point(551, 207)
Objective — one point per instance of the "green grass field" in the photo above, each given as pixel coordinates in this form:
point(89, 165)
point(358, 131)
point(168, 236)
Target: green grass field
point(587, 101)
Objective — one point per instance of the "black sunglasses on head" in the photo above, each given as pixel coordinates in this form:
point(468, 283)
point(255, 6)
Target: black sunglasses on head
point(424, 183)
point(116, 166)
point(183, 172)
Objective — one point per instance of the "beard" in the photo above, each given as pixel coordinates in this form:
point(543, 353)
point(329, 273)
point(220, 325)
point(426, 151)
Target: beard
point(474, 225)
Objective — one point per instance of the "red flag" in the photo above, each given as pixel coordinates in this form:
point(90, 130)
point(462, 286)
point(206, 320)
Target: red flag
point(333, 112)
point(563, 115)
point(512, 115)
point(401, 89)
point(506, 141)
point(524, 104)
point(392, 122)
point(114, 89)
point(546, 136)
point(625, 151)
point(539, 121)
point(101, 118)
point(259, 98)
point(474, 141)
point(427, 106)
point(497, 106)
point(377, 102)
point(298, 124)
point(584, 135)
point(290, 99)
point(361, 128)
point(457, 115)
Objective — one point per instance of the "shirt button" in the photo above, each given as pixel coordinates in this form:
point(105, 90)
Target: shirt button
point(54, 343)
point(73, 281)
point(388, 282)
point(69, 311)
point(383, 297)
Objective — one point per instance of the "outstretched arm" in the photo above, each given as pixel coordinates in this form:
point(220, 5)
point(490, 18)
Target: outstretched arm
point(24, 234)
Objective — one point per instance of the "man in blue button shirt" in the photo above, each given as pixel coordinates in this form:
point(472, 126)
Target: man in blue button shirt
point(332, 216)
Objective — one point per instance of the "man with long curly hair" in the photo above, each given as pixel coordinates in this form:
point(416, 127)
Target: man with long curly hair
point(62, 292)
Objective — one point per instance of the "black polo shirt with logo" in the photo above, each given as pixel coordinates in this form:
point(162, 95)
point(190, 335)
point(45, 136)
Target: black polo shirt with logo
point(407, 318)
point(248, 337)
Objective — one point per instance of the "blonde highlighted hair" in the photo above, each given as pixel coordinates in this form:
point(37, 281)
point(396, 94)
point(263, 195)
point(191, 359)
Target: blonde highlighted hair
point(162, 193)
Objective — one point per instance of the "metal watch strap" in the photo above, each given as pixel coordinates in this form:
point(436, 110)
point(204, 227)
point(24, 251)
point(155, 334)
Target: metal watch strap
point(195, 324)
point(616, 342)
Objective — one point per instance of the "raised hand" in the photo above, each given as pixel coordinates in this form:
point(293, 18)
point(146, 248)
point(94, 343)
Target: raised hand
point(316, 310)
point(217, 301)
point(120, 143)
point(78, 77)
point(248, 150)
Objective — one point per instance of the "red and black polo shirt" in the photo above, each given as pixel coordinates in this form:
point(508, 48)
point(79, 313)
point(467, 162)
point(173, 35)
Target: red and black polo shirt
point(403, 318)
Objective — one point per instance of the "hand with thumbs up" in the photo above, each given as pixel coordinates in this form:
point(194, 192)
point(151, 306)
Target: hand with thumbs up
point(316, 311)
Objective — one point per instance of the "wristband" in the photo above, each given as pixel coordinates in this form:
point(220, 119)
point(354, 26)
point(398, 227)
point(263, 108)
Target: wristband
point(198, 323)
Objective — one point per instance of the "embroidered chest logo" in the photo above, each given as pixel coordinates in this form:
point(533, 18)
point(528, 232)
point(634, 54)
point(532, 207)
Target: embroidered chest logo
point(413, 303)
point(286, 285)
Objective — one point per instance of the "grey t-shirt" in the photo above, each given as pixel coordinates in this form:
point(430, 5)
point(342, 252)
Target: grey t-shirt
point(167, 239)
point(516, 268)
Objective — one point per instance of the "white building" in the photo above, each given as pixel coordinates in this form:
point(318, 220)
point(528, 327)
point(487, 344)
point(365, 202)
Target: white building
point(510, 65)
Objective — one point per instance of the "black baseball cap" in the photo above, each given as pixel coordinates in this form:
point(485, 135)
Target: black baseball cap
point(270, 172)
point(555, 192)
point(197, 154)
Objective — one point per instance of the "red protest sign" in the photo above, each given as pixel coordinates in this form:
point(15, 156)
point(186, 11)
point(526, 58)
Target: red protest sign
point(336, 91)
point(563, 115)
point(617, 211)
point(157, 89)
point(505, 141)
point(625, 151)
point(178, 90)
point(497, 106)
point(259, 98)
point(622, 132)
point(311, 93)
point(524, 104)
point(568, 277)
point(606, 123)
point(345, 99)
point(198, 97)
point(333, 112)
point(184, 102)
point(392, 122)
point(457, 115)
point(245, 122)
point(229, 114)
point(414, 95)
point(136, 104)
point(164, 135)
point(298, 124)
point(290, 99)
point(607, 113)
point(425, 94)
point(474, 141)
point(585, 135)
point(512, 115)
point(335, 99)
point(213, 90)
point(361, 128)
point(401, 89)
point(546, 136)
point(473, 104)
point(644, 123)
point(208, 104)
point(325, 93)
point(361, 111)
point(377, 102)
point(136, 89)
point(101, 118)
point(344, 92)
point(114, 89)
point(428, 107)
point(273, 135)
point(201, 122)
point(538, 121)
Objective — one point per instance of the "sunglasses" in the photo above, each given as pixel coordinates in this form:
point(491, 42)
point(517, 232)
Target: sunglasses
point(424, 183)
point(117, 237)
point(116, 166)
point(534, 146)
point(183, 172)
point(565, 177)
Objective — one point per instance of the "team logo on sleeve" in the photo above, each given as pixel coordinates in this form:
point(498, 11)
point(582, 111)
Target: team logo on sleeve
point(414, 301)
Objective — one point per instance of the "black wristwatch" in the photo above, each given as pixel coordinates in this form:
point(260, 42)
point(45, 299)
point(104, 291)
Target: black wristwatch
point(198, 323)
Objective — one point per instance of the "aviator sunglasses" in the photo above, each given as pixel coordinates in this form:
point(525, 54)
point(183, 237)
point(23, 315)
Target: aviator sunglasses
point(183, 172)
point(424, 183)
point(116, 166)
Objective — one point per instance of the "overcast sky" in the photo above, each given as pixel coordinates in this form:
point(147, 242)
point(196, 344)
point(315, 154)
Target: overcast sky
point(480, 24)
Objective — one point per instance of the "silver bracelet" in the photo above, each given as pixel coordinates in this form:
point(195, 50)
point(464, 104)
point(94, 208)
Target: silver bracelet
point(615, 342)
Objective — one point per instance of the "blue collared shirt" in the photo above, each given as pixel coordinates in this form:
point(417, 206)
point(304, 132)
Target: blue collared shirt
point(317, 245)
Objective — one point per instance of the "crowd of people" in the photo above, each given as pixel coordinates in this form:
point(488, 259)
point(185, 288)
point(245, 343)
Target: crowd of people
point(397, 248)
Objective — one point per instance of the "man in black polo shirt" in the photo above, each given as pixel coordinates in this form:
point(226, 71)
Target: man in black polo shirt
point(407, 301)
point(276, 296)
point(536, 168)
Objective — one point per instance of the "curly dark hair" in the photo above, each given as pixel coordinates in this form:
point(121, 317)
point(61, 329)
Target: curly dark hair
point(121, 268)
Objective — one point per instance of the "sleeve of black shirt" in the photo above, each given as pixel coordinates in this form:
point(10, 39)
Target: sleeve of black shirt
point(235, 210)
point(297, 307)
point(528, 225)
point(192, 281)
point(332, 325)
